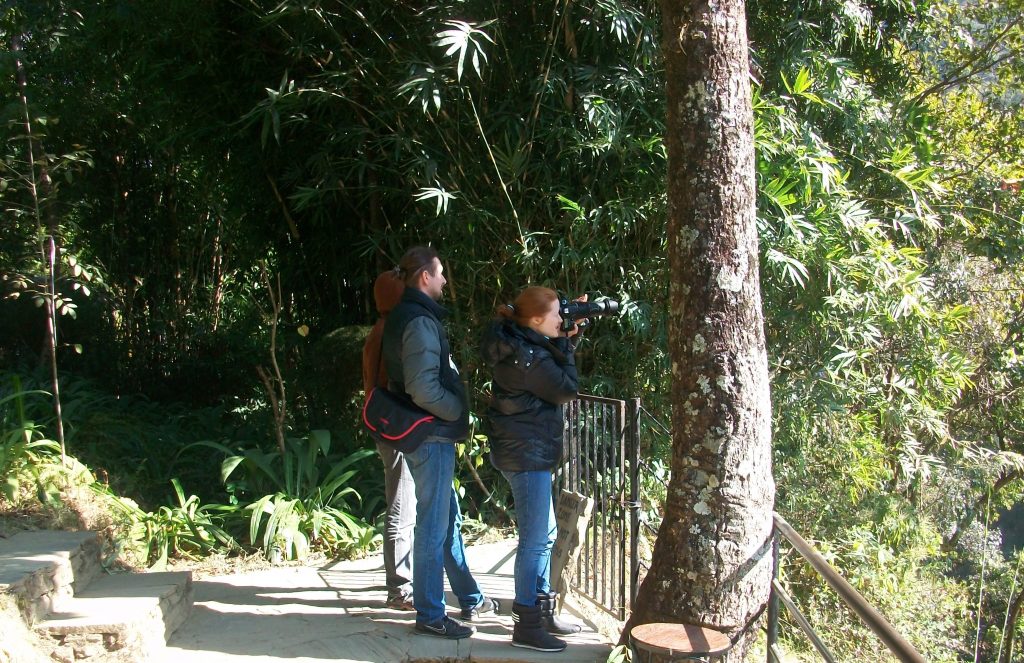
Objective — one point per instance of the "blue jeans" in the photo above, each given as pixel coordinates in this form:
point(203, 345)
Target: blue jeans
point(438, 548)
point(535, 520)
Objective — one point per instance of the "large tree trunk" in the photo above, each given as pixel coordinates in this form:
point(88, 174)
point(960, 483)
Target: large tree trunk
point(712, 561)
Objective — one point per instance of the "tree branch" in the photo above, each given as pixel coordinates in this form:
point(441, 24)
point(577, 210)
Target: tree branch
point(971, 513)
point(958, 75)
point(487, 493)
point(293, 229)
point(274, 384)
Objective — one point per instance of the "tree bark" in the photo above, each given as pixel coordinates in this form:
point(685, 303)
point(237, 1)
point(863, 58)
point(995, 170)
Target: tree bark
point(712, 560)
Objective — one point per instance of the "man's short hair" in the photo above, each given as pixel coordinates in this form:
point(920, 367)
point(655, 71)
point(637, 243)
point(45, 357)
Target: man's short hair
point(415, 260)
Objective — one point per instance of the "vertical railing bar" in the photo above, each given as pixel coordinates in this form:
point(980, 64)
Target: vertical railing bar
point(573, 478)
point(595, 481)
point(585, 481)
point(613, 510)
point(620, 474)
point(602, 483)
point(575, 458)
point(593, 441)
point(581, 455)
point(773, 598)
point(609, 507)
point(562, 476)
point(568, 483)
point(634, 499)
point(618, 520)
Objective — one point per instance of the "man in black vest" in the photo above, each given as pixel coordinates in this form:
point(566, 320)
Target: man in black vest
point(419, 363)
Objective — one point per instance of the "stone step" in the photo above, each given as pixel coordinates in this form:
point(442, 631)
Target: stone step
point(124, 617)
point(42, 568)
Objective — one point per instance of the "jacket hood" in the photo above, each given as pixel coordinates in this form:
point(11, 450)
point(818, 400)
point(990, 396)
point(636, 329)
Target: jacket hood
point(387, 291)
point(499, 341)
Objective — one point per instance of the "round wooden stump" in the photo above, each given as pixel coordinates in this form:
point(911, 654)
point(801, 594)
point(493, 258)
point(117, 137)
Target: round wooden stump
point(678, 641)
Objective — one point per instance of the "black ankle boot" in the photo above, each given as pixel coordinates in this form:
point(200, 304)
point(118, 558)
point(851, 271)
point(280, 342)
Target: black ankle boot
point(547, 604)
point(529, 631)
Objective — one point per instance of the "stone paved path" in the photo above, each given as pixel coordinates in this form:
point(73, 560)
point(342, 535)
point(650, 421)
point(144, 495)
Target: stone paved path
point(337, 613)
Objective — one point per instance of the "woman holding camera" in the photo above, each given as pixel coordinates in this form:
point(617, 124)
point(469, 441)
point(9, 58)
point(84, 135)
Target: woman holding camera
point(533, 375)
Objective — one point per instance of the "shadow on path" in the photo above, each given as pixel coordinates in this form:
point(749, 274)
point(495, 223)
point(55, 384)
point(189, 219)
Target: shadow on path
point(338, 613)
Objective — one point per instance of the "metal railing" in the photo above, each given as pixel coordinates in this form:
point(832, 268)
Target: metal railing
point(871, 618)
point(602, 462)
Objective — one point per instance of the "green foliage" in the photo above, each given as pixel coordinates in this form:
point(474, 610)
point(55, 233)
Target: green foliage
point(1002, 586)
point(886, 331)
point(24, 451)
point(620, 654)
point(135, 444)
point(524, 200)
point(186, 530)
point(913, 593)
point(495, 500)
point(293, 526)
point(165, 294)
point(293, 504)
point(285, 506)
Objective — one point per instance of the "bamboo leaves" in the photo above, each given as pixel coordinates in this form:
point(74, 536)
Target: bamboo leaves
point(437, 194)
point(464, 39)
point(423, 85)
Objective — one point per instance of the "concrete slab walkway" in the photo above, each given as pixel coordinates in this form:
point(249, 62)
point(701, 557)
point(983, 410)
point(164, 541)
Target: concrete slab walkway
point(338, 613)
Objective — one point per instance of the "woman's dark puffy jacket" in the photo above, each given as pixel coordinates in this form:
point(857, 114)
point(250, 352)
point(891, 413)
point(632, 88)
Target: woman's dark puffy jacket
point(533, 376)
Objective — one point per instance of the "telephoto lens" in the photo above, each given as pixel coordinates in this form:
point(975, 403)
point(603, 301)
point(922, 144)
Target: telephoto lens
point(573, 310)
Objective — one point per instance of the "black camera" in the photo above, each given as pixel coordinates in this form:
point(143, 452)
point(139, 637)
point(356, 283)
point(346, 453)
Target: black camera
point(571, 310)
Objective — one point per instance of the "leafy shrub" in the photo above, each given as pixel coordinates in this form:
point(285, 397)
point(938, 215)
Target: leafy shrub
point(24, 451)
point(133, 443)
point(300, 500)
point(188, 530)
point(294, 525)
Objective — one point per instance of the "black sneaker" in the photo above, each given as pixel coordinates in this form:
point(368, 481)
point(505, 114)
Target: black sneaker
point(446, 628)
point(482, 608)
